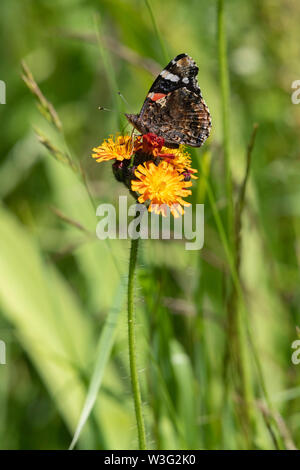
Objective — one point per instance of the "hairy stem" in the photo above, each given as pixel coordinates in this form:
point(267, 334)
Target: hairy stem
point(132, 347)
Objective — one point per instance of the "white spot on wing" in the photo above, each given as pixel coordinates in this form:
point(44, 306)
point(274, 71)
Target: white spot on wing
point(172, 77)
point(169, 76)
point(185, 80)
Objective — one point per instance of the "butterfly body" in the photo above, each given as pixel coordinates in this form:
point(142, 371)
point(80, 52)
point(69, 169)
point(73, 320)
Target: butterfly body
point(174, 107)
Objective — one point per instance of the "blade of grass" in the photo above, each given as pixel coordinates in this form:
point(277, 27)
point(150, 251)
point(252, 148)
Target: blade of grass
point(65, 157)
point(62, 157)
point(45, 107)
point(119, 49)
point(185, 386)
point(237, 285)
point(166, 399)
point(236, 330)
point(241, 200)
point(237, 336)
point(110, 72)
point(47, 319)
point(70, 221)
point(49, 112)
point(105, 345)
point(165, 54)
point(224, 81)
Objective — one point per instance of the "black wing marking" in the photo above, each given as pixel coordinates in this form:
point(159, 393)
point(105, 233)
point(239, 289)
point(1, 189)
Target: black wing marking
point(181, 71)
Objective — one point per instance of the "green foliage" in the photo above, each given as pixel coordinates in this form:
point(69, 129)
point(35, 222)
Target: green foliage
point(215, 326)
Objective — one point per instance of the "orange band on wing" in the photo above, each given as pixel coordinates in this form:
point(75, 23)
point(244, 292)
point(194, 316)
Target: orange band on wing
point(156, 96)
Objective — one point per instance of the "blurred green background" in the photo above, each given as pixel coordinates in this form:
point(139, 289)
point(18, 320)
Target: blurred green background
point(62, 302)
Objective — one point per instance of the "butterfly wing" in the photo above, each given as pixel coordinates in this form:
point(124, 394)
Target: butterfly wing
point(174, 108)
point(180, 117)
point(181, 71)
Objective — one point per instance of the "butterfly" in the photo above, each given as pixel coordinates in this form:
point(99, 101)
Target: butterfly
point(174, 107)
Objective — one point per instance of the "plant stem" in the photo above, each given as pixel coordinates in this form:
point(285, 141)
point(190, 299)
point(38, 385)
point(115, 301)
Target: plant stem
point(244, 311)
point(158, 35)
point(236, 330)
point(224, 80)
point(132, 347)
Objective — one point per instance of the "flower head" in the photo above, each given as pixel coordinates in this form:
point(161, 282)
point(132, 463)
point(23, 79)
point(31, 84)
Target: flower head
point(152, 144)
point(120, 148)
point(163, 186)
point(156, 175)
point(180, 159)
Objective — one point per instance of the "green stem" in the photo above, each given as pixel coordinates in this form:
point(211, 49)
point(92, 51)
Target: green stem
point(244, 312)
point(224, 80)
point(235, 318)
point(158, 35)
point(132, 347)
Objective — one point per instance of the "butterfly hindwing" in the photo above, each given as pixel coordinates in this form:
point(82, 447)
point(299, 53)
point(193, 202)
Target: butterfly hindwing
point(187, 114)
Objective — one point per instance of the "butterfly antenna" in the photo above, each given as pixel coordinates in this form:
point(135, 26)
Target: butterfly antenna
point(102, 108)
point(124, 99)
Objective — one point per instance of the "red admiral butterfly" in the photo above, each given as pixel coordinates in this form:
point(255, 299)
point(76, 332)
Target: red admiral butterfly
point(174, 108)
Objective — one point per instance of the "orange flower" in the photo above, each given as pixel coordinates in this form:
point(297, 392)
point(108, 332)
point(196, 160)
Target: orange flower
point(180, 159)
point(163, 186)
point(159, 176)
point(119, 149)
